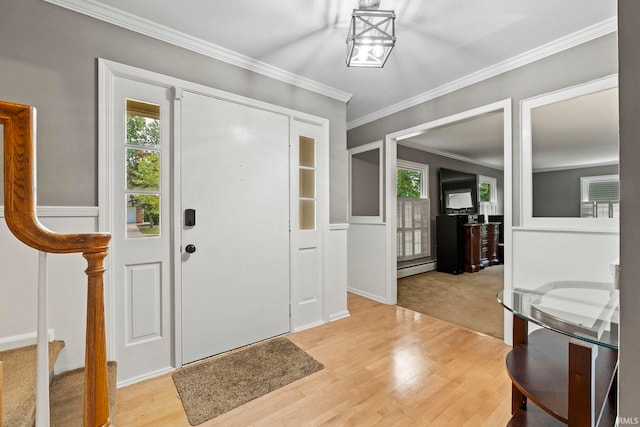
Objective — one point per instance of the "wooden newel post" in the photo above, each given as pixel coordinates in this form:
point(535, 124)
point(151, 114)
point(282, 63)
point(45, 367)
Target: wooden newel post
point(96, 390)
point(20, 215)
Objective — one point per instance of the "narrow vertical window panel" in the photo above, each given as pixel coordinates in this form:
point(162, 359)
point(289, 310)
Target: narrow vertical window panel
point(307, 183)
point(307, 152)
point(143, 169)
point(307, 214)
point(143, 215)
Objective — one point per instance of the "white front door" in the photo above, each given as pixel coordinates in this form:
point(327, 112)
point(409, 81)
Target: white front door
point(235, 177)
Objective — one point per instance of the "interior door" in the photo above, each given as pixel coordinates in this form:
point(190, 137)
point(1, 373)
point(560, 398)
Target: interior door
point(235, 236)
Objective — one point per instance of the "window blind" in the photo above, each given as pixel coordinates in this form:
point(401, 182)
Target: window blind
point(414, 236)
point(604, 191)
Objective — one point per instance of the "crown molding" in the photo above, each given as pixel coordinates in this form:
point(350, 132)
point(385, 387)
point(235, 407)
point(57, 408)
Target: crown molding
point(572, 40)
point(149, 28)
point(416, 146)
point(571, 167)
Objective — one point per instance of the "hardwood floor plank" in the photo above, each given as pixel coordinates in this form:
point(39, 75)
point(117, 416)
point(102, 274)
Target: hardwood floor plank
point(384, 366)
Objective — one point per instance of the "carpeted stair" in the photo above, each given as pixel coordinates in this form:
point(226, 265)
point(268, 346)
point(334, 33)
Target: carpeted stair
point(19, 387)
point(66, 392)
point(67, 397)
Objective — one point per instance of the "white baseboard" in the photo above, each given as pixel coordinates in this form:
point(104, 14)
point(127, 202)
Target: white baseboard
point(147, 376)
point(308, 326)
point(417, 269)
point(339, 315)
point(367, 295)
point(22, 340)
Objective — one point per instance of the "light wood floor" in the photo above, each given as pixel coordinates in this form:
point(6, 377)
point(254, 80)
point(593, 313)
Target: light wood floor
point(384, 366)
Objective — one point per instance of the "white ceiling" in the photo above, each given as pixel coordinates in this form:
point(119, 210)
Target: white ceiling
point(478, 139)
point(440, 43)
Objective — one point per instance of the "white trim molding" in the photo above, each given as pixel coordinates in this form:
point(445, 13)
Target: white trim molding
point(526, 161)
point(149, 28)
point(22, 340)
point(63, 211)
point(572, 40)
point(391, 142)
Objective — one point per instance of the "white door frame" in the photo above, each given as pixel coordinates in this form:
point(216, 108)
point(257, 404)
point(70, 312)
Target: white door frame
point(391, 159)
point(108, 70)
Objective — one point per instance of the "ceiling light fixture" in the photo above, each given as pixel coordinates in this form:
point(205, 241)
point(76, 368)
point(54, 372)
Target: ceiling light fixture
point(372, 35)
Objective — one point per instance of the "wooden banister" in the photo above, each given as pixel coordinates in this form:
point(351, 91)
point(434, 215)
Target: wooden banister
point(20, 215)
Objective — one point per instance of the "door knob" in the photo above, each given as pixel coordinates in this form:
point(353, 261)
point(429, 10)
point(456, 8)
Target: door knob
point(190, 248)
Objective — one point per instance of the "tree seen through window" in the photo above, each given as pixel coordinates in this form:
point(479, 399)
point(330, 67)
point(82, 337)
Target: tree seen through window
point(409, 183)
point(143, 169)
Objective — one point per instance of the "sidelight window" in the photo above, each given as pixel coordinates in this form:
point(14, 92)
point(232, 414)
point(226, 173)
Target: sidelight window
point(307, 177)
point(142, 157)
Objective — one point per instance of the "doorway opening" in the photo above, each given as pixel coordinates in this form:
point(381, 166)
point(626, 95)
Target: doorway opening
point(476, 141)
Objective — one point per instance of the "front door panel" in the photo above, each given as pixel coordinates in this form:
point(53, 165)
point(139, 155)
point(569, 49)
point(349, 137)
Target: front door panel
point(235, 178)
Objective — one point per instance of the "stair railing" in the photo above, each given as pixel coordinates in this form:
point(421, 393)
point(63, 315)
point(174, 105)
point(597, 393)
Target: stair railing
point(20, 215)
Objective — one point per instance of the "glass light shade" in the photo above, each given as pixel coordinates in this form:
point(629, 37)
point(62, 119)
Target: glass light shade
point(371, 37)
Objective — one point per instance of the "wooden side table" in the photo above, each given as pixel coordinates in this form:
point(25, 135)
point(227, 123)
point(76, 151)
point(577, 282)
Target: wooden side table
point(566, 373)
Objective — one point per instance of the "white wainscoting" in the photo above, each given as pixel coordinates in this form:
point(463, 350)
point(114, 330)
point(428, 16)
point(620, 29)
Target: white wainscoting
point(544, 255)
point(541, 255)
point(67, 284)
point(367, 250)
point(336, 273)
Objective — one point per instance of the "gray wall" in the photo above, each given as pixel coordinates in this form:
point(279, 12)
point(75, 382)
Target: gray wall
point(365, 187)
point(436, 162)
point(48, 59)
point(557, 193)
point(583, 63)
point(629, 45)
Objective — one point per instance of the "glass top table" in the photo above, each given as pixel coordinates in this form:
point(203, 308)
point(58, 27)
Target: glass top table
point(588, 311)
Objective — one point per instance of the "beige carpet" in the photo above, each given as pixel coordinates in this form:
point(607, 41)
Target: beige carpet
point(19, 387)
point(467, 299)
point(217, 385)
point(67, 396)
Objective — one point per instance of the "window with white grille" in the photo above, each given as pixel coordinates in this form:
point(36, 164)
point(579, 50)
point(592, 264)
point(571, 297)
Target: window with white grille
point(488, 195)
point(414, 215)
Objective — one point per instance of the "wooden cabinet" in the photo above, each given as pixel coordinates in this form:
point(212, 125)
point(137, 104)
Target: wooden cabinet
point(474, 247)
point(493, 242)
point(481, 246)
